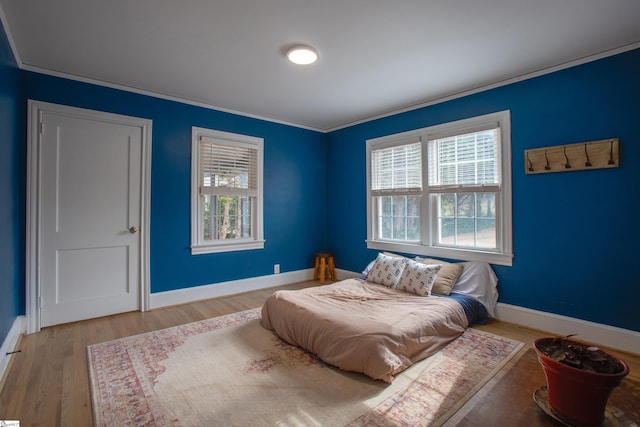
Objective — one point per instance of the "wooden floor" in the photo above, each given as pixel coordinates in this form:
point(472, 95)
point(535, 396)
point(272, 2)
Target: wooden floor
point(47, 383)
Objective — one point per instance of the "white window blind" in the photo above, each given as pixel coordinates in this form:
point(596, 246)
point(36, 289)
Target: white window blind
point(465, 160)
point(227, 169)
point(397, 169)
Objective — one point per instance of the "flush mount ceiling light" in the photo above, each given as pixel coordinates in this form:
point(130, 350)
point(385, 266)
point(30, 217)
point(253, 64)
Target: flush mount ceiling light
point(302, 55)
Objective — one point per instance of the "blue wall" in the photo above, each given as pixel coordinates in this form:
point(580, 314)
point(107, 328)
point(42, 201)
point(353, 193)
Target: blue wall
point(294, 184)
point(575, 234)
point(11, 186)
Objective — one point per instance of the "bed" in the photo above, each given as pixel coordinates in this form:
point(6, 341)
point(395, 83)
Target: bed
point(386, 321)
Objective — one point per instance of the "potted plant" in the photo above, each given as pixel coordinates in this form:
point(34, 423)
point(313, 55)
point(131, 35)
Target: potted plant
point(580, 378)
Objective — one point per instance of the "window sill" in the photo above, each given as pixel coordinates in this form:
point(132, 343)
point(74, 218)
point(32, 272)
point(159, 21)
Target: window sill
point(244, 245)
point(441, 252)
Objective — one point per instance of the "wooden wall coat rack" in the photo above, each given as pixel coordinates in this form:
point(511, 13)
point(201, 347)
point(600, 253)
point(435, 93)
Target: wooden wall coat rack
point(572, 157)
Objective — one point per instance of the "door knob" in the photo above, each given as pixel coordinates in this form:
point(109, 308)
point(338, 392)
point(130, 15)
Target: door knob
point(133, 230)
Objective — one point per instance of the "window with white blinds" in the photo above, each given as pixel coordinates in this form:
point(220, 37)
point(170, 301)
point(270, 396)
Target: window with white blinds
point(227, 169)
point(397, 169)
point(441, 191)
point(226, 192)
point(467, 160)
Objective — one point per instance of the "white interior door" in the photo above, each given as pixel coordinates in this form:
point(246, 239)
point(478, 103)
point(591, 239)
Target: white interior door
point(90, 216)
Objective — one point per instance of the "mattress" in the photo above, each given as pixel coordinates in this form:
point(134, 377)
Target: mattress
point(364, 327)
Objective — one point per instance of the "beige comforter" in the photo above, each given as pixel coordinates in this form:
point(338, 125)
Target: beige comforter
point(364, 327)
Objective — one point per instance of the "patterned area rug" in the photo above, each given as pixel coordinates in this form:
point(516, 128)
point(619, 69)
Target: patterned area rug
point(229, 371)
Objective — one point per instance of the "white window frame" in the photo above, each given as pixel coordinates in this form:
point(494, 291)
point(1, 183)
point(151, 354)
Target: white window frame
point(503, 255)
point(198, 244)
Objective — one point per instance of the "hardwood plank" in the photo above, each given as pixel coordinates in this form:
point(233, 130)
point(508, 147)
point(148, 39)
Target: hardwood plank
point(510, 402)
point(47, 384)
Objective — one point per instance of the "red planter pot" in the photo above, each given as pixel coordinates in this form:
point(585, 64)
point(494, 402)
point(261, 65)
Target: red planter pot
point(577, 396)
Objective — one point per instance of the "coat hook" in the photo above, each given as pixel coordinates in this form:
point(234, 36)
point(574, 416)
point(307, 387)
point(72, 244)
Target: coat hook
point(611, 162)
point(567, 165)
point(546, 167)
point(530, 164)
point(586, 153)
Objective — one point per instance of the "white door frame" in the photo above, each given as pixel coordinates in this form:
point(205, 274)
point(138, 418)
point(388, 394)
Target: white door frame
point(34, 154)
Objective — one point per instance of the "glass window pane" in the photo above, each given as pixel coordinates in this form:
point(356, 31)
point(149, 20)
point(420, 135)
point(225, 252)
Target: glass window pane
point(447, 205)
point(413, 228)
point(399, 204)
point(413, 207)
point(447, 231)
point(486, 236)
point(399, 217)
point(228, 217)
point(467, 219)
point(206, 217)
point(465, 205)
point(245, 217)
point(385, 206)
point(385, 227)
point(399, 228)
point(486, 205)
point(465, 232)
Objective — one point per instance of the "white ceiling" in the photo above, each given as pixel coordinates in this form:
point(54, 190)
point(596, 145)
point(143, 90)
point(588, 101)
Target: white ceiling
point(376, 56)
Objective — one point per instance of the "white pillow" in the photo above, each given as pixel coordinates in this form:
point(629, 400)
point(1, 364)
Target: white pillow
point(368, 267)
point(386, 270)
point(478, 280)
point(418, 278)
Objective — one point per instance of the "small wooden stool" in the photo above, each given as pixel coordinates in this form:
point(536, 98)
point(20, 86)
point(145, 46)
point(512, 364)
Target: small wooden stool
point(324, 267)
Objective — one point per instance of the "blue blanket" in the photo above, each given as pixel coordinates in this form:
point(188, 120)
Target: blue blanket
point(474, 309)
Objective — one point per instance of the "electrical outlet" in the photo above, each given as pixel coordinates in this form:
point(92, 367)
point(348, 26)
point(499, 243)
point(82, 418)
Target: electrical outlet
point(276, 268)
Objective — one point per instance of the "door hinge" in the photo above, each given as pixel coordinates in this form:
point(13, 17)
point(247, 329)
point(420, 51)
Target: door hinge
point(41, 127)
point(40, 302)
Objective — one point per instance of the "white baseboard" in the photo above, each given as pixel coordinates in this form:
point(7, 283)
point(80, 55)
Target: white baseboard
point(9, 344)
point(605, 335)
point(197, 293)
